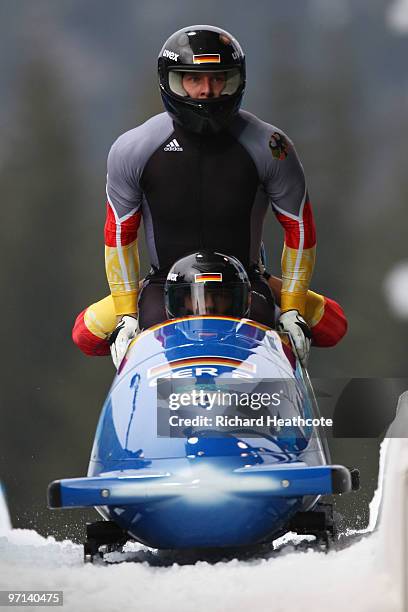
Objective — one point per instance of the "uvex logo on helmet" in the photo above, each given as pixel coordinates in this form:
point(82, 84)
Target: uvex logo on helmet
point(208, 49)
point(171, 55)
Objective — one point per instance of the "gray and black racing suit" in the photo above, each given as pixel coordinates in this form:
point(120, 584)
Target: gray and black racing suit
point(204, 192)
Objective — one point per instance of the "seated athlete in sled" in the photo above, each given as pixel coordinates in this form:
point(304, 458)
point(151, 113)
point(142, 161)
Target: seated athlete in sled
point(207, 283)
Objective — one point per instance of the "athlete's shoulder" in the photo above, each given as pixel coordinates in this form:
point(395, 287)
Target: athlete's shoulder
point(154, 130)
point(253, 125)
point(266, 143)
point(131, 151)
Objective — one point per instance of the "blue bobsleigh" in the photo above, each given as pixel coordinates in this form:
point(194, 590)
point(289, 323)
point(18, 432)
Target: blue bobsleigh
point(172, 473)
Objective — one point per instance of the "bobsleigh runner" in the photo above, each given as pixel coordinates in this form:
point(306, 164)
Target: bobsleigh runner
point(173, 467)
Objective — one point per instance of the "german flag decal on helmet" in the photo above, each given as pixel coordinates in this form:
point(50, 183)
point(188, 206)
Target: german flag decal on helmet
point(207, 58)
point(205, 278)
point(279, 146)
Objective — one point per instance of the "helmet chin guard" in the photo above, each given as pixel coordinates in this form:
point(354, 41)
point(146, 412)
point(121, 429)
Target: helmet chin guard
point(201, 48)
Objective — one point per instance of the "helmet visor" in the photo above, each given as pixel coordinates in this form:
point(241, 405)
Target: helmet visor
point(185, 299)
point(196, 84)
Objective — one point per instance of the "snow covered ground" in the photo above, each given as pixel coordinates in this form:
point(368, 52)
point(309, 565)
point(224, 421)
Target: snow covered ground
point(367, 576)
point(292, 580)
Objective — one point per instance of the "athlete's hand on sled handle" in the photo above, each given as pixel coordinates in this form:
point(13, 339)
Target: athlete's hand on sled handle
point(121, 337)
point(292, 323)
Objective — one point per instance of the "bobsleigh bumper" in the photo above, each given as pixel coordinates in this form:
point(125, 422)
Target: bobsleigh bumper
point(138, 487)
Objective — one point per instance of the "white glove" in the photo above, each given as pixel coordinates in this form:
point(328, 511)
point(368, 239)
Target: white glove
point(292, 323)
point(121, 337)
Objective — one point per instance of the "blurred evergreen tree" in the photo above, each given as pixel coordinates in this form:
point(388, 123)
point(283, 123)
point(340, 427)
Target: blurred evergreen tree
point(47, 416)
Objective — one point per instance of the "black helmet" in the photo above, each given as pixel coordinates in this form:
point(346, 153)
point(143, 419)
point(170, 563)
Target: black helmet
point(207, 283)
point(201, 48)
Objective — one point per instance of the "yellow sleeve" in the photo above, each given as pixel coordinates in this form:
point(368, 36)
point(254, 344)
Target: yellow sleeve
point(122, 260)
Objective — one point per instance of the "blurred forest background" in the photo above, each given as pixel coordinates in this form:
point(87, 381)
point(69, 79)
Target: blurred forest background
point(76, 74)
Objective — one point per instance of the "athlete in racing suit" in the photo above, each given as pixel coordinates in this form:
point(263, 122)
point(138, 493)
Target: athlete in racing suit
point(202, 175)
